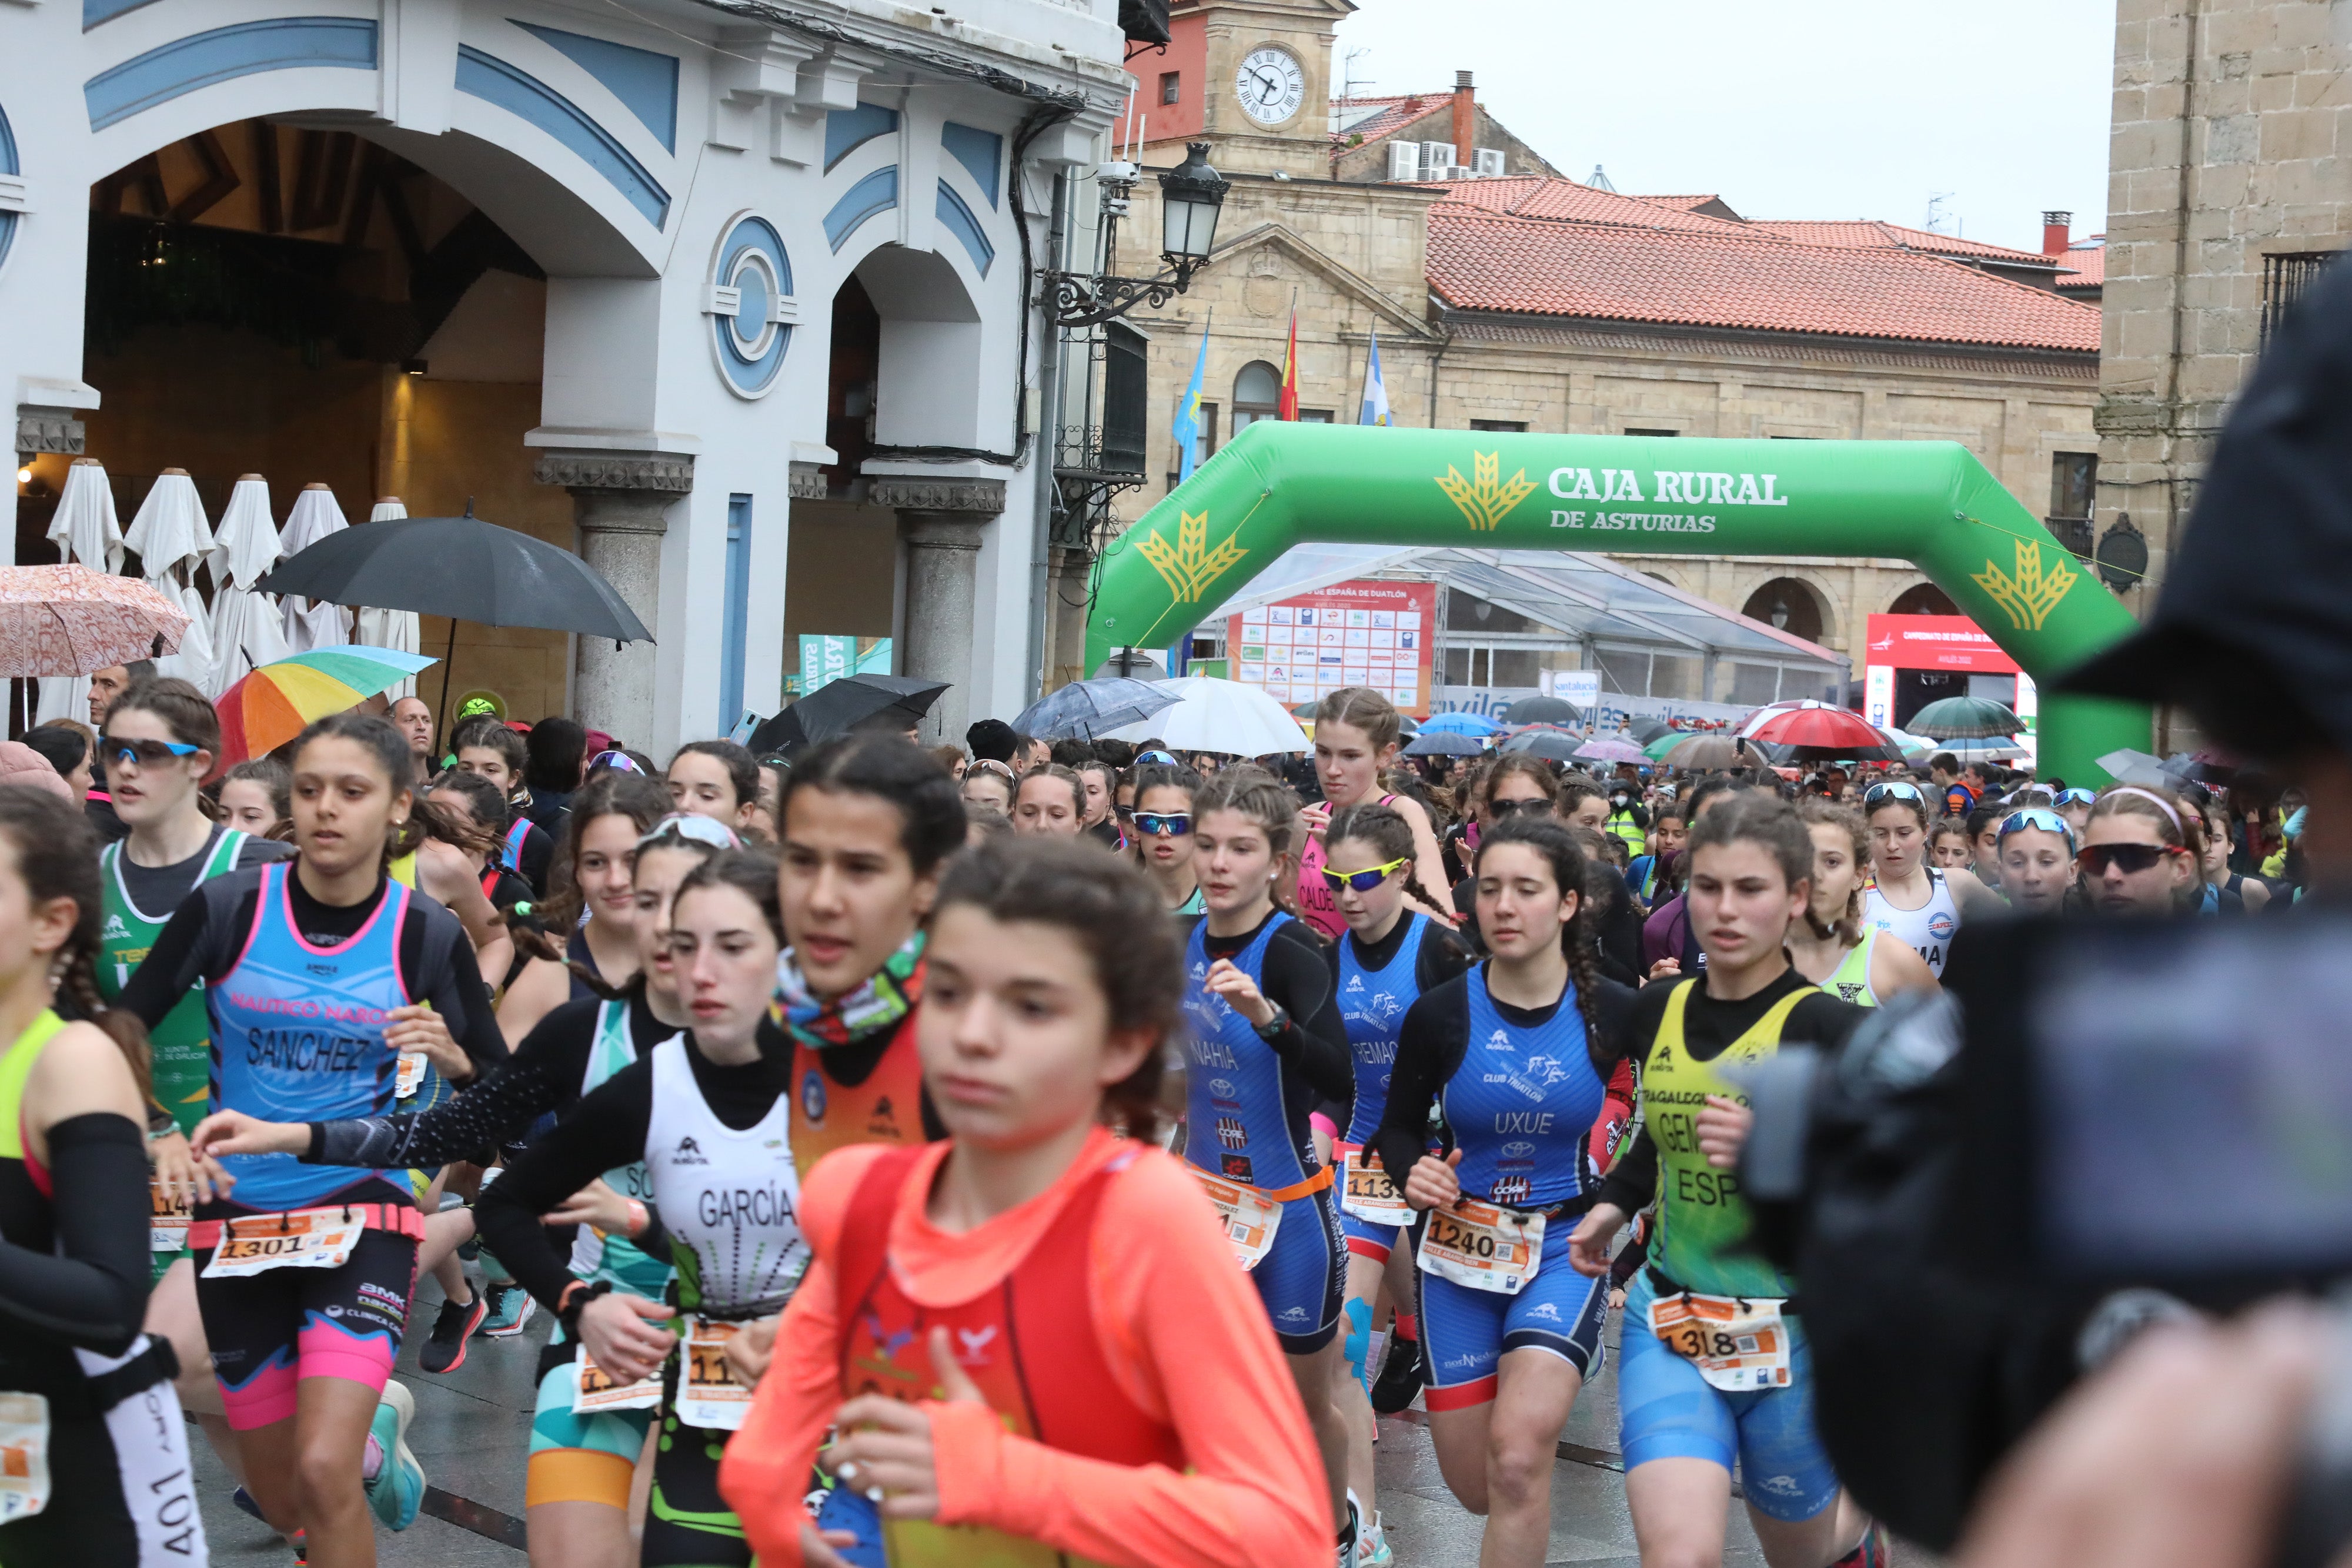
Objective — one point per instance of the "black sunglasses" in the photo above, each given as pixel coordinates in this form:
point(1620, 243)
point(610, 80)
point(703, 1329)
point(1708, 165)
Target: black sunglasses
point(2130, 859)
point(1499, 810)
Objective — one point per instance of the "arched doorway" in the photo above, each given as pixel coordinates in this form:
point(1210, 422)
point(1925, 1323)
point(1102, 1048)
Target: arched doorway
point(1923, 598)
point(309, 306)
point(1787, 604)
point(1257, 395)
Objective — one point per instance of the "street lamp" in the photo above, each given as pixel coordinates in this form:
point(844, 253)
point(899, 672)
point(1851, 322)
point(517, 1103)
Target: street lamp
point(1190, 195)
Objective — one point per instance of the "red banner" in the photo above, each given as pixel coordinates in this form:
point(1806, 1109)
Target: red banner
point(1934, 642)
point(1376, 634)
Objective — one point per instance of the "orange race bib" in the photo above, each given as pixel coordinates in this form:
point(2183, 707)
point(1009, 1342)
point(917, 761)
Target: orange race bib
point(1367, 1192)
point(1482, 1246)
point(1739, 1346)
point(596, 1390)
point(167, 1220)
point(1250, 1218)
point(24, 1456)
point(707, 1395)
point(304, 1238)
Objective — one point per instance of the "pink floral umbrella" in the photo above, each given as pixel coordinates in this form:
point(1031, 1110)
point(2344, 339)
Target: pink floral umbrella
point(70, 621)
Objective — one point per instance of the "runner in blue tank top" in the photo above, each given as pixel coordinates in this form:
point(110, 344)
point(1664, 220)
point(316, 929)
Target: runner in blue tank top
point(316, 973)
point(1511, 1054)
point(1265, 1045)
point(1388, 957)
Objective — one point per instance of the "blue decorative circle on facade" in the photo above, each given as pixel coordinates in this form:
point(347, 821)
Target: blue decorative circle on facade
point(752, 307)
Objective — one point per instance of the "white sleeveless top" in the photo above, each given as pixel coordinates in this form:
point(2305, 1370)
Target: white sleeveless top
point(729, 1199)
point(1929, 929)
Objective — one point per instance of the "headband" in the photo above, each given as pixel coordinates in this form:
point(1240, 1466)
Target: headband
point(2162, 804)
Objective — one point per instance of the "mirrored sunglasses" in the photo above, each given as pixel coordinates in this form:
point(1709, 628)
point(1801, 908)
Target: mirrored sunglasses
point(1362, 881)
point(1175, 824)
point(147, 753)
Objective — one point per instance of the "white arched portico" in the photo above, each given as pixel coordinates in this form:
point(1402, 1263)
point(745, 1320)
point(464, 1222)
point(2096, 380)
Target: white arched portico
point(686, 178)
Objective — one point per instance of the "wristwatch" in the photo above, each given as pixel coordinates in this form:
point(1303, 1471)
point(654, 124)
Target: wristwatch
point(1274, 1025)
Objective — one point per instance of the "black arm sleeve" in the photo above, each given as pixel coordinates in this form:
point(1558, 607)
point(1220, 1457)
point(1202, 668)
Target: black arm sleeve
point(455, 990)
point(174, 965)
point(544, 1074)
point(1298, 979)
point(1443, 956)
point(1429, 1046)
point(92, 1292)
point(598, 1134)
point(1633, 1181)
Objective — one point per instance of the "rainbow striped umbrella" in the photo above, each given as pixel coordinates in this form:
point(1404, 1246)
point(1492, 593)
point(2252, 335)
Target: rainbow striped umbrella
point(269, 706)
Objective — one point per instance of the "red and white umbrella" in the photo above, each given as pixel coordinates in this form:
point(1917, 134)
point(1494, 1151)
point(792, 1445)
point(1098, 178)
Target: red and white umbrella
point(1822, 728)
point(70, 621)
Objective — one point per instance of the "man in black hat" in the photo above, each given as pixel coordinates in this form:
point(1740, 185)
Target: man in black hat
point(992, 740)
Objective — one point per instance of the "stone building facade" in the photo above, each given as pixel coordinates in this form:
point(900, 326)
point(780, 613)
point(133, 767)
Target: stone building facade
point(2228, 183)
point(1524, 301)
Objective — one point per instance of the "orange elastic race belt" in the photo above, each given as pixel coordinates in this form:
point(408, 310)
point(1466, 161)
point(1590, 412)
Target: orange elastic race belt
point(1307, 1189)
point(204, 1235)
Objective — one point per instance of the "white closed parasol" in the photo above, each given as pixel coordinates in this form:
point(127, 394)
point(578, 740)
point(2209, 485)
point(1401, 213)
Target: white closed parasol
point(85, 529)
point(246, 630)
point(394, 629)
point(309, 623)
point(171, 534)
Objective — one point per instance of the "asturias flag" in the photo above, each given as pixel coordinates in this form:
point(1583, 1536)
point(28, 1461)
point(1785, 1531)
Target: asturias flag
point(1187, 427)
point(1287, 408)
point(1376, 390)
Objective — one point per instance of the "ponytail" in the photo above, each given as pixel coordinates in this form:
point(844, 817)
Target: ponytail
point(57, 856)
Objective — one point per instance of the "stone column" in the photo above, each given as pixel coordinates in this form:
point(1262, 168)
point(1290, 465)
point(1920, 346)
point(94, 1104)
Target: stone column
point(941, 521)
point(620, 500)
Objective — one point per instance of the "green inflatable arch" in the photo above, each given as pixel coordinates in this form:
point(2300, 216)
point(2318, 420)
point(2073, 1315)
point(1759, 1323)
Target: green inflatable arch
point(1931, 502)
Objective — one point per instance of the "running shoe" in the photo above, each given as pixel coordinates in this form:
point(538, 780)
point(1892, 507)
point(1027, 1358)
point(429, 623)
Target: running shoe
point(399, 1485)
point(445, 1351)
point(1373, 1545)
point(245, 1503)
point(1398, 1383)
point(510, 1307)
point(1349, 1538)
point(1870, 1551)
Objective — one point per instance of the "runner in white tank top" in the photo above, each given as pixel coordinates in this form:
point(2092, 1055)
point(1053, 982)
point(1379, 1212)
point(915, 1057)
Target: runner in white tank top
point(1913, 901)
point(1928, 930)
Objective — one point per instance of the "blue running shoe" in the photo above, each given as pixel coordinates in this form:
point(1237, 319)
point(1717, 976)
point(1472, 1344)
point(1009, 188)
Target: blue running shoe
point(399, 1485)
point(510, 1307)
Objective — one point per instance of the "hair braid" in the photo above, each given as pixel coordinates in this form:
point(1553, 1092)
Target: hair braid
point(78, 980)
point(1584, 969)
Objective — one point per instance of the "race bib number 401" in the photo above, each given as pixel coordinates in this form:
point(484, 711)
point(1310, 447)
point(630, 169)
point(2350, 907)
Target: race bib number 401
point(1737, 1346)
point(305, 1238)
point(1482, 1246)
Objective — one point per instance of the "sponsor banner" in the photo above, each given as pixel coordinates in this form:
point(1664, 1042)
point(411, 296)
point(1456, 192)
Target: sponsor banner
point(1934, 642)
point(1363, 633)
point(827, 659)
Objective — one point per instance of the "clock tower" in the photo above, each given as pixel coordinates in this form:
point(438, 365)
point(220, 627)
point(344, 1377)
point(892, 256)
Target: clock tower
point(1250, 76)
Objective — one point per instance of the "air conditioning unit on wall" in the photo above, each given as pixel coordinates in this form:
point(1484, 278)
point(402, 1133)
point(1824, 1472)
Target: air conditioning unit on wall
point(1436, 160)
point(1404, 160)
point(1489, 162)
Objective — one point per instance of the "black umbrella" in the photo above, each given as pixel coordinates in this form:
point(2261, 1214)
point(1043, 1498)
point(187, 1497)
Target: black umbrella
point(838, 707)
point(1542, 710)
point(1645, 729)
point(1445, 743)
point(1550, 745)
point(463, 567)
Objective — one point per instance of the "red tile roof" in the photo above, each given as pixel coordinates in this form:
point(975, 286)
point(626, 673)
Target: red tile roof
point(1687, 204)
point(1683, 270)
point(1395, 115)
point(2090, 265)
point(1869, 233)
point(1535, 196)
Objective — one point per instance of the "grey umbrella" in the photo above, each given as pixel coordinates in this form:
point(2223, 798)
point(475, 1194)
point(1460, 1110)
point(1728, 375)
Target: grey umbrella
point(1084, 709)
point(1542, 710)
point(1445, 743)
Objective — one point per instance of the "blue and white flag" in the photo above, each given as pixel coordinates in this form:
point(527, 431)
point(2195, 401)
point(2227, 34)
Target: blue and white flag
point(1187, 427)
point(1376, 390)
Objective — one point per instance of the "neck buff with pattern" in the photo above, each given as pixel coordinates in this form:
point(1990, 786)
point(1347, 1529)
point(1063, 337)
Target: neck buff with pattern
point(878, 1005)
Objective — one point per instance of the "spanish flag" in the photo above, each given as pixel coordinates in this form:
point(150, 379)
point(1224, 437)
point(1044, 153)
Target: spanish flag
point(1287, 407)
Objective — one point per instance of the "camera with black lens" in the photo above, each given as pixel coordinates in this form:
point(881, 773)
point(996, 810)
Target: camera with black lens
point(1986, 1192)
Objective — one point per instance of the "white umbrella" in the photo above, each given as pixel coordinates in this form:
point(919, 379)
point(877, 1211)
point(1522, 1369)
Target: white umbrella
point(84, 529)
point(246, 630)
point(171, 534)
point(311, 625)
point(394, 629)
point(1226, 716)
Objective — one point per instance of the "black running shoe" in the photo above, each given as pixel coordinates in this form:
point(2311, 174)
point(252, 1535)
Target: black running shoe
point(446, 1350)
point(1399, 1380)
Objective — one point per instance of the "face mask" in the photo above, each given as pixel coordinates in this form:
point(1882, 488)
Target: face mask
point(1618, 799)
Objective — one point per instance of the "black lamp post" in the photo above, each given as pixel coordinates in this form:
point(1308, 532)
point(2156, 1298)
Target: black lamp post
point(1190, 195)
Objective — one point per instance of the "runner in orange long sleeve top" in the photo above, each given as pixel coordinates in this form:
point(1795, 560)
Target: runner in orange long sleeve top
point(1115, 1394)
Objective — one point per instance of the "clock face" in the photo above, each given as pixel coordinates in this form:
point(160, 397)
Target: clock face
point(1271, 85)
